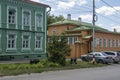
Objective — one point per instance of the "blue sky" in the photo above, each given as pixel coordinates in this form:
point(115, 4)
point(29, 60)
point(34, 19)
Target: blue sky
point(108, 17)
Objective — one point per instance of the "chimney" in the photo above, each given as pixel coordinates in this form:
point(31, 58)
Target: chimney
point(79, 19)
point(115, 30)
point(69, 16)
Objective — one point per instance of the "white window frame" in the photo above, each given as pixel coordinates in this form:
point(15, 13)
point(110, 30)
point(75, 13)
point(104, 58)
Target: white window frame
point(71, 40)
point(100, 42)
point(36, 20)
point(29, 46)
point(95, 43)
point(26, 10)
point(0, 16)
point(114, 43)
point(16, 22)
point(105, 43)
point(12, 33)
point(117, 43)
point(41, 41)
point(75, 39)
point(111, 43)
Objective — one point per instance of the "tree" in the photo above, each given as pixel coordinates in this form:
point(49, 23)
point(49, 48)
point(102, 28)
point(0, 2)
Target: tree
point(58, 49)
point(52, 18)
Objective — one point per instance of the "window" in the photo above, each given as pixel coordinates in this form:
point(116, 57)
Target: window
point(75, 39)
point(117, 43)
point(105, 42)
point(11, 41)
point(110, 43)
point(95, 43)
point(70, 40)
point(100, 43)
point(38, 42)
point(54, 31)
point(11, 16)
point(38, 20)
point(114, 43)
point(26, 42)
point(26, 18)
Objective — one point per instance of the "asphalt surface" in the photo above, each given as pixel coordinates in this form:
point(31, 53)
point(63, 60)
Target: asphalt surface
point(111, 72)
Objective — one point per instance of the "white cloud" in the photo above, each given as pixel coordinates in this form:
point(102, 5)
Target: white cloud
point(66, 5)
point(81, 2)
point(117, 28)
point(107, 10)
point(53, 9)
point(71, 3)
point(87, 17)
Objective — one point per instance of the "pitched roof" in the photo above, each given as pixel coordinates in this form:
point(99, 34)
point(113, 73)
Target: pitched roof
point(36, 3)
point(66, 21)
point(80, 25)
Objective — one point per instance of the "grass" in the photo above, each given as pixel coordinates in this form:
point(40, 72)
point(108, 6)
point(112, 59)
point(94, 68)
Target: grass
point(16, 69)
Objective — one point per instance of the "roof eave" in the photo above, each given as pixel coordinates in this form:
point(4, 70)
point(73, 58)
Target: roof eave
point(33, 2)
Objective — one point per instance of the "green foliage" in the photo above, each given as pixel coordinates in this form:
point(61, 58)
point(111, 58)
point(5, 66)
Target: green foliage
point(44, 65)
point(47, 63)
point(58, 49)
point(52, 18)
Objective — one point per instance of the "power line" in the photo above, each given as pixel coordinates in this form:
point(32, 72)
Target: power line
point(118, 17)
point(84, 7)
point(77, 10)
point(110, 6)
point(109, 19)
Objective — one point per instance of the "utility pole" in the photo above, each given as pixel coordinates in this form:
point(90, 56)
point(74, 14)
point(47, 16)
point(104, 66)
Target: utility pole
point(93, 29)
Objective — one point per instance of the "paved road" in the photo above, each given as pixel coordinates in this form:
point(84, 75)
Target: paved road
point(102, 73)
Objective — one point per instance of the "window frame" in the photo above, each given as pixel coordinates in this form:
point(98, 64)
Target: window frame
point(95, 43)
point(41, 41)
point(16, 21)
point(23, 25)
point(100, 42)
point(75, 39)
point(111, 43)
point(15, 40)
point(114, 43)
point(54, 31)
point(117, 43)
point(105, 43)
point(70, 40)
point(29, 40)
point(36, 13)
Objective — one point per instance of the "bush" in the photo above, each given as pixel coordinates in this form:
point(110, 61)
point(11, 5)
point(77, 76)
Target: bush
point(58, 49)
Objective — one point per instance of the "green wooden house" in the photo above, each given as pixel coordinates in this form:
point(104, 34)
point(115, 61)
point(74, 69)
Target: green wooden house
point(22, 30)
